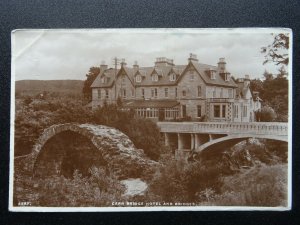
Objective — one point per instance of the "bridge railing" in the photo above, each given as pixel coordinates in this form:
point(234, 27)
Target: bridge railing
point(224, 128)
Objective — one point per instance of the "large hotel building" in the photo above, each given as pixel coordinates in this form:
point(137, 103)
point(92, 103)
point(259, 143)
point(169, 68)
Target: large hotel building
point(166, 91)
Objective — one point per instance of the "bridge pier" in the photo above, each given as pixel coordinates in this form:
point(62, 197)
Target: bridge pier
point(193, 141)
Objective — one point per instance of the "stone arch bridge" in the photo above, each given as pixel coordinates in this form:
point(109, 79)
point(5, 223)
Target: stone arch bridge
point(187, 137)
point(58, 144)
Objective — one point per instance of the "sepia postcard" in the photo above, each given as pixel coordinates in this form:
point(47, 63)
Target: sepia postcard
point(151, 119)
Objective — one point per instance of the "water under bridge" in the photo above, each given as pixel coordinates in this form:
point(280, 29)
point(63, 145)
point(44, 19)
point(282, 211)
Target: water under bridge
point(186, 137)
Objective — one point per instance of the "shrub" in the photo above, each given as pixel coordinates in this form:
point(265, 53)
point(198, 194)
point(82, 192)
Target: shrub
point(179, 181)
point(100, 189)
point(143, 132)
point(263, 186)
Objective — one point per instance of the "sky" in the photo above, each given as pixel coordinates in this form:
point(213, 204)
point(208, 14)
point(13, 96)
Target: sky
point(68, 54)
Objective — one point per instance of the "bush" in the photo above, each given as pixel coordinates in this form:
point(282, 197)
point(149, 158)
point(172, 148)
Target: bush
point(266, 114)
point(100, 189)
point(263, 186)
point(143, 132)
point(179, 181)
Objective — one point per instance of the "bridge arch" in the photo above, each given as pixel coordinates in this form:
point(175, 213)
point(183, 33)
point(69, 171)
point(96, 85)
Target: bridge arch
point(111, 145)
point(230, 140)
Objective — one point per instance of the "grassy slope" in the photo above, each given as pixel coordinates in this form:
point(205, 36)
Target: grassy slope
point(33, 87)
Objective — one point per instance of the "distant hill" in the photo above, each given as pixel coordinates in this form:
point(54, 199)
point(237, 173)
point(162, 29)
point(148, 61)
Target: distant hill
point(33, 87)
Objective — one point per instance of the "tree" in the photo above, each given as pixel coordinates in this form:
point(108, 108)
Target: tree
point(266, 114)
point(90, 77)
point(277, 52)
point(268, 76)
point(282, 72)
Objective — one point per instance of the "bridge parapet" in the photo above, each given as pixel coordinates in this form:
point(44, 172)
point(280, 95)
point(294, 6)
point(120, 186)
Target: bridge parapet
point(280, 129)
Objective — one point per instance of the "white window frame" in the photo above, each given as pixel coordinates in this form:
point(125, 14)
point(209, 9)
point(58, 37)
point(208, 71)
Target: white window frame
point(230, 93)
point(155, 77)
point(221, 114)
point(213, 74)
point(166, 92)
point(199, 91)
point(138, 78)
point(172, 77)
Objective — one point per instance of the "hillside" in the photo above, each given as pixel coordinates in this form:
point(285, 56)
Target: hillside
point(33, 87)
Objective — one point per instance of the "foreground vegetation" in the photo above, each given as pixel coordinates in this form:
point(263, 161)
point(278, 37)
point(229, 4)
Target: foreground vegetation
point(250, 174)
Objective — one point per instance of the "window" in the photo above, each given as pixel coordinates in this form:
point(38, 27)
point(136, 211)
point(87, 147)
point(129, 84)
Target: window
point(221, 93)
point(192, 75)
point(132, 93)
point(154, 77)
point(176, 92)
point(227, 76)
point(143, 93)
point(173, 77)
point(183, 93)
point(124, 93)
point(236, 111)
point(106, 94)
point(212, 74)
point(223, 111)
point(244, 111)
point(99, 93)
point(230, 93)
point(138, 78)
point(103, 80)
point(199, 91)
point(251, 101)
point(166, 92)
point(219, 111)
point(198, 110)
point(154, 93)
point(216, 111)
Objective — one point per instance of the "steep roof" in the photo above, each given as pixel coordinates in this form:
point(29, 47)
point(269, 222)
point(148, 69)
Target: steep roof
point(241, 90)
point(163, 72)
point(110, 74)
point(219, 81)
point(163, 78)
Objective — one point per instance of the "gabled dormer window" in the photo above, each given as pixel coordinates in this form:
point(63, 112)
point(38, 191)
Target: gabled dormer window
point(155, 77)
point(213, 74)
point(103, 79)
point(138, 78)
point(172, 77)
point(227, 76)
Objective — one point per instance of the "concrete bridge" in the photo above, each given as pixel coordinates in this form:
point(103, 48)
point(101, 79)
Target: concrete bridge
point(197, 136)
